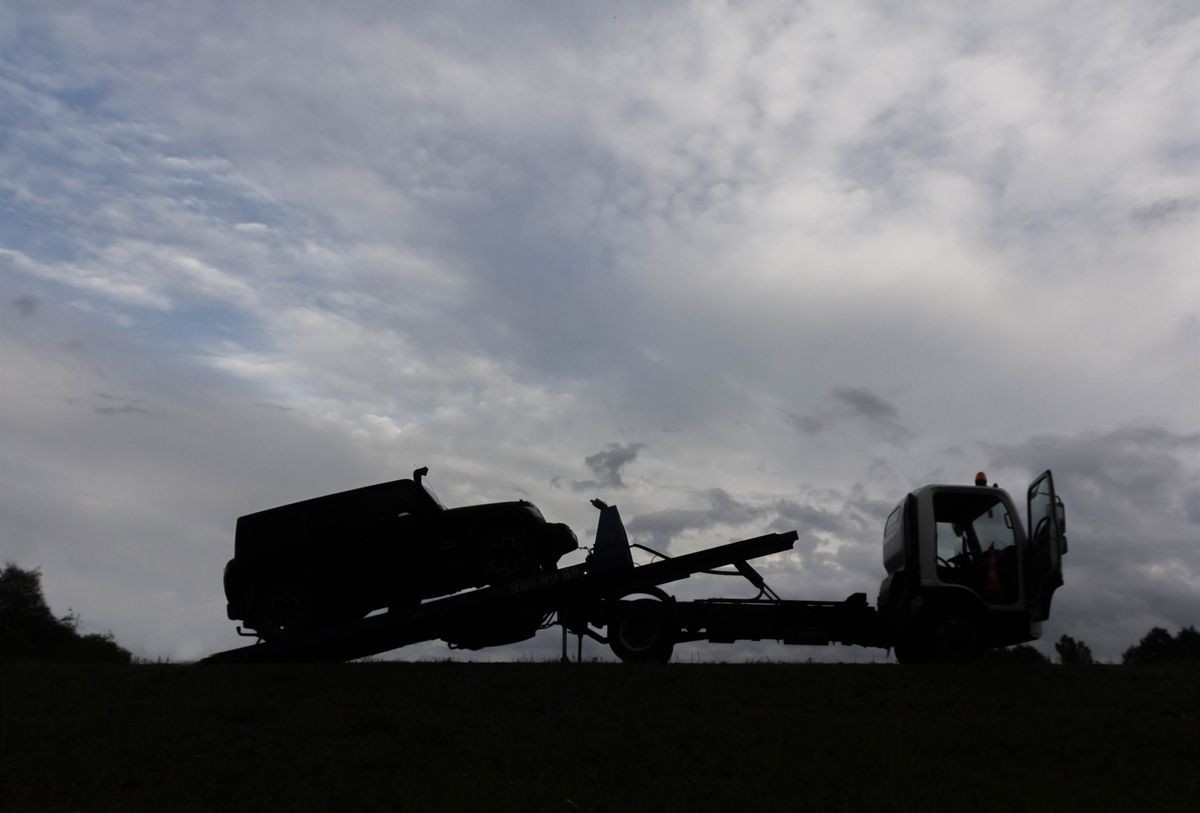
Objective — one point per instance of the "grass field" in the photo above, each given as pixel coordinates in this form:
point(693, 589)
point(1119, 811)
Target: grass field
point(548, 736)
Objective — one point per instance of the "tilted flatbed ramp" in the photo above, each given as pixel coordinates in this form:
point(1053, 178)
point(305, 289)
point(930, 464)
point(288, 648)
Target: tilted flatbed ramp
point(546, 591)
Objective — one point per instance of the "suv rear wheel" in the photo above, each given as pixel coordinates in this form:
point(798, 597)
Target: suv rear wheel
point(281, 612)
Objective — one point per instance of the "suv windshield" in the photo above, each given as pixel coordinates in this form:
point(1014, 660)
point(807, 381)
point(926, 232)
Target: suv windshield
point(432, 494)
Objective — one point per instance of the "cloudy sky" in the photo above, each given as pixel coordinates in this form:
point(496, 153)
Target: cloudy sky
point(734, 267)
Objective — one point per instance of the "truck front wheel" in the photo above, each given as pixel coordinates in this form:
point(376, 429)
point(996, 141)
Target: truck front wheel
point(958, 640)
point(642, 631)
point(954, 638)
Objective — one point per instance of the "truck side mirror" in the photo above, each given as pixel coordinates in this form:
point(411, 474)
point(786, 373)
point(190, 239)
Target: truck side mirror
point(419, 473)
point(1060, 513)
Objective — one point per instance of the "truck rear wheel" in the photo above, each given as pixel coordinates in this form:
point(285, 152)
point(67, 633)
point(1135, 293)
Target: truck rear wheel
point(642, 631)
point(910, 650)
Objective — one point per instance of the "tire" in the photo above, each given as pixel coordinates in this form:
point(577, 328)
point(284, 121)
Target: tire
point(957, 640)
point(507, 557)
point(280, 613)
point(911, 651)
point(642, 631)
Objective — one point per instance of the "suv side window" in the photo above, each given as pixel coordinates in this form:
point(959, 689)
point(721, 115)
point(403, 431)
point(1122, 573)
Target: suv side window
point(400, 500)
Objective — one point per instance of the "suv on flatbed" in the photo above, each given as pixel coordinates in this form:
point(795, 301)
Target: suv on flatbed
point(337, 558)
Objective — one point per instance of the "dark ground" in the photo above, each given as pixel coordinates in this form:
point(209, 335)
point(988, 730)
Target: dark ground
point(432, 736)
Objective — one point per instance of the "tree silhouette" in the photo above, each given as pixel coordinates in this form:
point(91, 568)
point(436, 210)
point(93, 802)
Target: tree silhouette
point(1159, 646)
point(1072, 652)
point(29, 630)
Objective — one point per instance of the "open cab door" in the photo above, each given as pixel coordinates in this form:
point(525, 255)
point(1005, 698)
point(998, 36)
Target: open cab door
point(1045, 546)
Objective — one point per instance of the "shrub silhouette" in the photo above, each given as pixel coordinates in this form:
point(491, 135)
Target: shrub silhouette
point(29, 631)
point(1159, 646)
point(1072, 652)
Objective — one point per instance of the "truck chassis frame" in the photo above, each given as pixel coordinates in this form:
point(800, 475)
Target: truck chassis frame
point(583, 596)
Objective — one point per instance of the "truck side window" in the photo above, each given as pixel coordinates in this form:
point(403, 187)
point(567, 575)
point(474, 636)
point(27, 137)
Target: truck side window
point(995, 529)
point(949, 541)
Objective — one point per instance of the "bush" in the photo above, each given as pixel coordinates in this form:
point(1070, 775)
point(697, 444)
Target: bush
point(1072, 652)
point(29, 631)
point(1159, 646)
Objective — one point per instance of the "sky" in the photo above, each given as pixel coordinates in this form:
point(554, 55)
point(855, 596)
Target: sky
point(734, 267)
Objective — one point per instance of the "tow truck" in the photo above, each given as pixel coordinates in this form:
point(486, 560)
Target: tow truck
point(962, 575)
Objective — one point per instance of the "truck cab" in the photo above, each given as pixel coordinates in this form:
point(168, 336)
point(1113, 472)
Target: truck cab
point(964, 574)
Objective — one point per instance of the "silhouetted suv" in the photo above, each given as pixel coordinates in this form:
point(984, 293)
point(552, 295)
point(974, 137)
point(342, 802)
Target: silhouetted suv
point(339, 557)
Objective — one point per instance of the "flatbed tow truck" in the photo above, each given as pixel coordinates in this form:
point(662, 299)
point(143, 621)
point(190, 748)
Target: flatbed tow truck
point(962, 576)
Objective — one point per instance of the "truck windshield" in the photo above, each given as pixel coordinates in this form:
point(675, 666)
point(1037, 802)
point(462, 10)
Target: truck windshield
point(976, 545)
